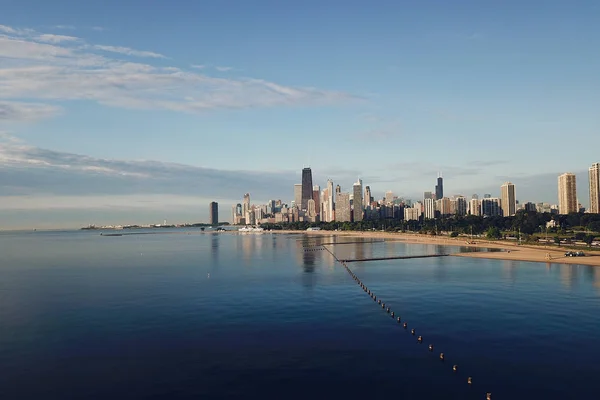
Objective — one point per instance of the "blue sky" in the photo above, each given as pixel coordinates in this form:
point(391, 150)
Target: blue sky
point(146, 110)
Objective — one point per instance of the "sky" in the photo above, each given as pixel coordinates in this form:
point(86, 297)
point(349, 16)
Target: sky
point(136, 111)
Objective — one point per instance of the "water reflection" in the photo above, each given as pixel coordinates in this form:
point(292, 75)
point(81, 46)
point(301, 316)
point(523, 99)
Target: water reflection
point(510, 270)
point(214, 247)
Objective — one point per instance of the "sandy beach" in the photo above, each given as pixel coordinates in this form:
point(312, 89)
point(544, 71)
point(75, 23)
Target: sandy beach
point(510, 251)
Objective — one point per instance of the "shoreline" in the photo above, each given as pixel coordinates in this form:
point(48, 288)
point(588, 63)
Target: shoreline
point(512, 251)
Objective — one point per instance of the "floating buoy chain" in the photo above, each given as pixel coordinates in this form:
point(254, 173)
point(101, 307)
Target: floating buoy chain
point(398, 319)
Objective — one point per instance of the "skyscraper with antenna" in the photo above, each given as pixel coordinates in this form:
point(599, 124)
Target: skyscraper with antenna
point(439, 188)
point(307, 187)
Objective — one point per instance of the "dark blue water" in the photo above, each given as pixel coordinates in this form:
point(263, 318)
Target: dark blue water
point(256, 316)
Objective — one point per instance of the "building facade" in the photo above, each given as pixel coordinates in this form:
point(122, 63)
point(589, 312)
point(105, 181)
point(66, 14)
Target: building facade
point(567, 194)
point(342, 208)
point(475, 207)
point(594, 179)
point(298, 195)
point(491, 207)
point(357, 202)
point(307, 188)
point(429, 208)
point(213, 213)
point(509, 199)
point(439, 188)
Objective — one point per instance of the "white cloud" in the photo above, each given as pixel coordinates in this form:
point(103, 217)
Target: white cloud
point(198, 66)
point(49, 38)
point(20, 111)
point(98, 28)
point(66, 27)
point(128, 51)
point(223, 69)
point(7, 29)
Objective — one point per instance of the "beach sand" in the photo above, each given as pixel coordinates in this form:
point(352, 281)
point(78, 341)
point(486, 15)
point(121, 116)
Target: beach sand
point(509, 250)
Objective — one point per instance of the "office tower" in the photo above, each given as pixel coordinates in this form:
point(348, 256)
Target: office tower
point(429, 208)
point(412, 214)
point(307, 187)
point(567, 194)
point(338, 189)
point(490, 207)
point(233, 215)
point(342, 207)
point(311, 210)
point(475, 196)
point(298, 195)
point(461, 206)
point(595, 188)
point(316, 197)
point(427, 195)
point(367, 198)
point(357, 200)
point(213, 213)
point(443, 205)
point(487, 196)
point(529, 206)
point(389, 197)
point(475, 207)
point(439, 188)
point(330, 201)
point(509, 200)
point(246, 204)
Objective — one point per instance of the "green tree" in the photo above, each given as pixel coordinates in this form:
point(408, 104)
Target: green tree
point(493, 233)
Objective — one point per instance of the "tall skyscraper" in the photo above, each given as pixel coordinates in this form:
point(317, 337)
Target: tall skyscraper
point(367, 198)
point(213, 213)
point(461, 206)
point(439, 188)
point(595, 188)
point(389, 197)
point(298, 195)
point(509, 200)
point(342, 207)
point(246, 204)
point(331, 199)
point(429, 208)
point(357, 201)
point(317, 198)
point(307, 188)
point(567, 194)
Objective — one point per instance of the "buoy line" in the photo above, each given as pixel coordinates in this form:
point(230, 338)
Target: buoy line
point(371, 294)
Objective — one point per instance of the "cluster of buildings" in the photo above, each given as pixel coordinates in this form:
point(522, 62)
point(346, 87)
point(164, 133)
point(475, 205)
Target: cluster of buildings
point(312, 204)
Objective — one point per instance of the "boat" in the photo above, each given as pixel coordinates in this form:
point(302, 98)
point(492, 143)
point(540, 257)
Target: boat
point(250, 229)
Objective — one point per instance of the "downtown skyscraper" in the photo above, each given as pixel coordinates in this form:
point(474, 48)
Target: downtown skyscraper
point(567, 194)
point(357, 201)
point(595, 188)
point(508, 199)
point(439, 188)
point(307, 188)
point(213, 213)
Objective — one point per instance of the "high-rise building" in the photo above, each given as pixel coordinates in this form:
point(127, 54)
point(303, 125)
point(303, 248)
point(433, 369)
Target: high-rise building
point(342, 207)
point(509, 199)
point(490, 207)
point(311, 210)
point(307, 187)
point(595, 188)
point(246, 205)
point(367, 198)
point(461, 206)
point(213, 213)
point(429, 208)
point(439, 188)
point(427, 195)
point(443, 205)
point(475, 196)
point(567, 194)
point(389, 197)
point(529, 206)
point(475, 207)
point(357, 201)
point(316, 197)
point(338, 189)
point(298, 195)
point(331, 199)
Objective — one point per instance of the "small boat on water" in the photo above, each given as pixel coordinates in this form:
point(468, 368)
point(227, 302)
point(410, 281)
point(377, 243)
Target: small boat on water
point(251, 229)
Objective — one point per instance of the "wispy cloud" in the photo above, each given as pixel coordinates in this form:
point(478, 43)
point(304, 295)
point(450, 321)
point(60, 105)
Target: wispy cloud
point(49, 38)
point(65, 27)
point(128, 51)
point(62, 68)
point(223, 69)
point(98, 28)
point(198, 66)
point(20, 111)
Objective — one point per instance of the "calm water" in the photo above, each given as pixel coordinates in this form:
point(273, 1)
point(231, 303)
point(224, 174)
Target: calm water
point(250, 316)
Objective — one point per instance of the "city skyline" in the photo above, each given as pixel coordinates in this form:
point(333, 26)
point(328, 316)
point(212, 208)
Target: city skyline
point(106, 118)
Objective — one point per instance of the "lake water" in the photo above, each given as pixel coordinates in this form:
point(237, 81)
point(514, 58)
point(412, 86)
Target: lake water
point(211, 316)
